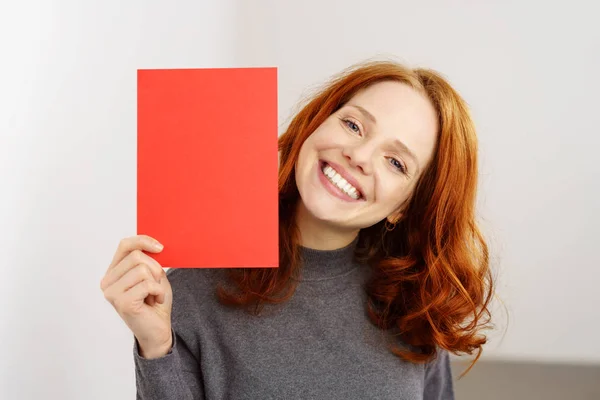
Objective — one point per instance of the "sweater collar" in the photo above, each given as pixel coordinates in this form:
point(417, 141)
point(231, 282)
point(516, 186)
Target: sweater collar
point(327, 264)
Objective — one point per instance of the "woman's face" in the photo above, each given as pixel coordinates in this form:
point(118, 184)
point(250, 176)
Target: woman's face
point(361, 164)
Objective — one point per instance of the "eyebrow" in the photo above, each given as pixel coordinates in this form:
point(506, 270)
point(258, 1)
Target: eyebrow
point(364, 112)
point(403, 147)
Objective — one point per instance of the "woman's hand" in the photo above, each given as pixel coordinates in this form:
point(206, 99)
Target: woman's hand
point(137, 287)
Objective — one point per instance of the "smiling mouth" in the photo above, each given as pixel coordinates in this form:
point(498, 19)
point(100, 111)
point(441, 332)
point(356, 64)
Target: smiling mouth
point(339, 182)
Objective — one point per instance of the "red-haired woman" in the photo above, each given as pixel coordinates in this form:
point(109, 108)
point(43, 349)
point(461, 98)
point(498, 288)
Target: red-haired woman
point(383, 269)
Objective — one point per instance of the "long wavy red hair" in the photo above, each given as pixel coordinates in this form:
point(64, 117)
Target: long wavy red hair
point(431, 281)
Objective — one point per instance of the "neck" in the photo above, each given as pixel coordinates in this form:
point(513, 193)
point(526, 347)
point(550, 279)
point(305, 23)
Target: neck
point(318, 235)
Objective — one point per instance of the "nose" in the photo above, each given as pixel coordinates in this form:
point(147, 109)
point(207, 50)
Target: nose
point(359, 156)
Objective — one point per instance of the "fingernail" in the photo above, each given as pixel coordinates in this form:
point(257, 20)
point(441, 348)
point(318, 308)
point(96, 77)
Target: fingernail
point(158, 246)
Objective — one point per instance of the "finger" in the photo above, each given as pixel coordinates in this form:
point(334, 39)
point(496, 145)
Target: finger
point(130, 261)
point(164, 284)
point(141, 291)
point(139, 242)
point(151, 299)
point(139, 273)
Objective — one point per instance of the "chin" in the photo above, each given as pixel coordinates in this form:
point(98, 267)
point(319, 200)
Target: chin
point(327, 212)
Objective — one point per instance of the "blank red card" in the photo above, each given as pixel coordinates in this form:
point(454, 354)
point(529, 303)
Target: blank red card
point(207, 166)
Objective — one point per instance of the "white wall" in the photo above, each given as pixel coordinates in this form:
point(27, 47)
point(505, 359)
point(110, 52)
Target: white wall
point(68, 178)
point(67, 154)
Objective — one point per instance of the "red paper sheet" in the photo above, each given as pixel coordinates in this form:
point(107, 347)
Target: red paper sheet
point(207, 166)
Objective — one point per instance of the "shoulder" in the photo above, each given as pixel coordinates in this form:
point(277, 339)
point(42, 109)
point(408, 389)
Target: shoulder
point(438, 377)
point(439, 367)
point(440, 360)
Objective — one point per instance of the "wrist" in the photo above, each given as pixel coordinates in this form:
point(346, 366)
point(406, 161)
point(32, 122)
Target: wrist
point(151, 351)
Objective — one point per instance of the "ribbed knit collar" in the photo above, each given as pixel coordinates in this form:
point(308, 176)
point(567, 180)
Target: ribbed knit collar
point(327, 264)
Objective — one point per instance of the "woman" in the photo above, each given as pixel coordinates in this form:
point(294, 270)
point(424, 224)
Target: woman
point(383, 270)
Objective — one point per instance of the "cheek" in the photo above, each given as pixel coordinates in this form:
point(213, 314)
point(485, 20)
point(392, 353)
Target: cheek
point(391, 195)
point(306, 158)
point(329, 134)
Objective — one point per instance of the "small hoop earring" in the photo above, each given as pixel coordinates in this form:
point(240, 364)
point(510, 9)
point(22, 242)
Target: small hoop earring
point(389, 226)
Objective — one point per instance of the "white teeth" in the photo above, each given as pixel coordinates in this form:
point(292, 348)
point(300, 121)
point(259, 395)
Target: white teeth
point(340, 182)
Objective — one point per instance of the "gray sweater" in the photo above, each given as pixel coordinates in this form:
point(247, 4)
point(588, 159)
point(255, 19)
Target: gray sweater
point(318, 345)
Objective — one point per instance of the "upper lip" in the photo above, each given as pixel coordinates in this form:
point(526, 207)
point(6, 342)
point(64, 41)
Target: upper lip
point(340, 170)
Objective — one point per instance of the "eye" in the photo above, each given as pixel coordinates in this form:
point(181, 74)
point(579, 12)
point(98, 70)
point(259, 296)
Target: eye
point(398, 165)
point(353, 126)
